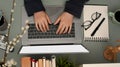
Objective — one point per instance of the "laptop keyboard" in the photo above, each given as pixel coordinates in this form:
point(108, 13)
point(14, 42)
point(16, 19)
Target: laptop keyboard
point(33, 33)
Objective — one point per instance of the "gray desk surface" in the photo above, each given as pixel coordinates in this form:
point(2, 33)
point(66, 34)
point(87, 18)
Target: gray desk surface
point(96, 48)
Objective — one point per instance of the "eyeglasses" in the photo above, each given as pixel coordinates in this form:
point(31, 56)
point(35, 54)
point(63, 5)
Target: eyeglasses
point(87, 24)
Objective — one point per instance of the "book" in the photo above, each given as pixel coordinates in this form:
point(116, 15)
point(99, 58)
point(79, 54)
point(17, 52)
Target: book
point(47, 63)
point(53, 61)
point(44, 61)
point(26, 62)
point(95, 23)
point(36, 64)
point(33, 62)
point(50, 63)
point(40, 63)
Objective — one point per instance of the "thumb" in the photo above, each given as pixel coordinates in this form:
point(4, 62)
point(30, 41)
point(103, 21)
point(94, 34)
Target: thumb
point(57, 21)
point(48, 19)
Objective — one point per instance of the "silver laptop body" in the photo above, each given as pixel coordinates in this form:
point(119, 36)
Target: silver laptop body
point(53, 12)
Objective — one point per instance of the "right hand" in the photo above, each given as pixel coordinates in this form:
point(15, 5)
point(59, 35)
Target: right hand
point(42, 21)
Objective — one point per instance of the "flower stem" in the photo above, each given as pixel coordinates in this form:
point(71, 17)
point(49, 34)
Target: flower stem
point(8, 32)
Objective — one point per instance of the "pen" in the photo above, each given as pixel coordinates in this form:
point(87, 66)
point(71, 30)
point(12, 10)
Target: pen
point(93, 33)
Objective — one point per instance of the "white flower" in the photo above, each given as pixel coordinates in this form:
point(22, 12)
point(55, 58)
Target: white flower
point(11, 49)
point(13, 62)
point(10, 63)
point(24, 31)
point(8, 47)
point(12, 19)
point(27, 21)
point(21, 36)
point(6, 34)
point(8, 26)
point(10, 42)
point(14, 39)
point(12, 10)
point(22, 28)
point(14, 43)
point(27, 27)
point(17, 41)
point(14, 4)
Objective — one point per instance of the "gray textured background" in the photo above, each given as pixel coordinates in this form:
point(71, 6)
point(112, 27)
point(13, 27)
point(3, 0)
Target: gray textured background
point(96, 48)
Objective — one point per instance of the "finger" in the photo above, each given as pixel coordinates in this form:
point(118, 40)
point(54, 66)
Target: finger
point(62, 29)
point(69, 29)
point(36, 25)
point(43, 26)
point(59, 28)
point(66, 29)
point(48, 19)
point(57, 21)
point(40, 27)
point(46, 25)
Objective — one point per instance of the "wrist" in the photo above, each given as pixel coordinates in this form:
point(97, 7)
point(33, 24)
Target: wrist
point(69, 14)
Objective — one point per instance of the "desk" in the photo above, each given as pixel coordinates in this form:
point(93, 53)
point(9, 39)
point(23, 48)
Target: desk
point(96, 48)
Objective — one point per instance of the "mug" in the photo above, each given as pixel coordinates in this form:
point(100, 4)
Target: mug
point(3, 22)
point(115, 16)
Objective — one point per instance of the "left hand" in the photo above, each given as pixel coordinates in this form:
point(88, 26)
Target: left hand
point(65, 23)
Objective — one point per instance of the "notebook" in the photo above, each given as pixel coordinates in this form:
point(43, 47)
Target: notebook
point(95, 23)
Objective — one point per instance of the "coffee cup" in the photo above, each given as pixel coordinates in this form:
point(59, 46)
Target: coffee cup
point(115, 16)
point(3, 22)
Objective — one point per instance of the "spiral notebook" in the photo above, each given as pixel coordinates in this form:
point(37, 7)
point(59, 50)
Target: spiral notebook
point(95, 23)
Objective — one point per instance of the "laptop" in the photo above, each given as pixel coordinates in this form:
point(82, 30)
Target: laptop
point(49, 39)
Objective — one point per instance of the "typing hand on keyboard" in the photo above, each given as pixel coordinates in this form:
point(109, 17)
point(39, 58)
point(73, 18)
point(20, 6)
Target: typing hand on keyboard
point(33, 33)
point(65, 23)
point(42, 22)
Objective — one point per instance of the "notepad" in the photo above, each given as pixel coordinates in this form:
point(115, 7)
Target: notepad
point(95, 23)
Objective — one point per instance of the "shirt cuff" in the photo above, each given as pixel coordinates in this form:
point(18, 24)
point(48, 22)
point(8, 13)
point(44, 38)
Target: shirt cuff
point(74, 8)
point(33, 6)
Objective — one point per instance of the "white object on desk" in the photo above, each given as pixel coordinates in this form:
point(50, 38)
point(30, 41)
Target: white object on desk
point(53, 49)
point(96, 23)
point(101, 65)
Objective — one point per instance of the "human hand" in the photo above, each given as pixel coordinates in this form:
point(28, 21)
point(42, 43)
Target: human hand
point(65, 23)
point(41, 21)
